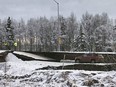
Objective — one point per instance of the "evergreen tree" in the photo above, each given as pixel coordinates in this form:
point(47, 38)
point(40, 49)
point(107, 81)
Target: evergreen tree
point(80, 43)
point(9, 34)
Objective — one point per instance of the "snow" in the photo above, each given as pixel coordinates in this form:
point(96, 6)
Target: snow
point(27, 74)
point(13, 58)
point(27, 66)
point(1, 51)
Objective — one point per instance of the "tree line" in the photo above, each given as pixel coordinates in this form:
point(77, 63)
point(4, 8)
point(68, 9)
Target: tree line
point(91, 33)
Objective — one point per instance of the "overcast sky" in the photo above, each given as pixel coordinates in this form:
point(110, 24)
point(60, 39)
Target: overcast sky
point(26, 9)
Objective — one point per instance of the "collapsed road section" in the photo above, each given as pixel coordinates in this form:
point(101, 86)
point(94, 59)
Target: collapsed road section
point(29, 56)
point(52, 64)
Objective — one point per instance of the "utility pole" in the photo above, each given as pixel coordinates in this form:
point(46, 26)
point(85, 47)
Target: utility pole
point(114, 28)
point(59, 38)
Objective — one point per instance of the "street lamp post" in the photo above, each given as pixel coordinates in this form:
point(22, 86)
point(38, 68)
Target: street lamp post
point(58, 25)
point(114, 28)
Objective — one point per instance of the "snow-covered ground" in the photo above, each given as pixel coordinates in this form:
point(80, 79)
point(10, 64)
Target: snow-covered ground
point(20, 73)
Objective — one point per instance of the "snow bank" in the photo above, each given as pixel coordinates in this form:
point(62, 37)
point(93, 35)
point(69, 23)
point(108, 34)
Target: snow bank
point(62, 78)
point(12, 58)
point(18, 67)
point(24, 67)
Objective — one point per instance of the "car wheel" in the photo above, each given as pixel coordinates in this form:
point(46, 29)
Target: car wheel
point(77, 61)
point(92, 61)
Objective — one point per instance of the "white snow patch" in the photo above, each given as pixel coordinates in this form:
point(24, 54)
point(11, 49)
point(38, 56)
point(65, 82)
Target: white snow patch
point(1, 51)
point(12, 58)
